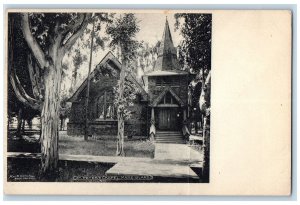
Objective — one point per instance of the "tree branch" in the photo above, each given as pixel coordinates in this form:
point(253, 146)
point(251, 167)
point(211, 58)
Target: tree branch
point(72, 26)
point(35, 78)
point(70, 42)
point(32, 43)
point(21, 93)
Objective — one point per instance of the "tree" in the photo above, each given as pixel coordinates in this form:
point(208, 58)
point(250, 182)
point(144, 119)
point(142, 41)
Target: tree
point(195, 49)
point(93, 46)
point(147, 55)
point(49, 36)
point(83, 45)
point(195, 55)
point(87, 96)
point(204, 103)
point(64, 112)
point(122, 32)
point(18, 47)
point(78, 60)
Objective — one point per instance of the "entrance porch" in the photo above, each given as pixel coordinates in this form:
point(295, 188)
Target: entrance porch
point(168, 114)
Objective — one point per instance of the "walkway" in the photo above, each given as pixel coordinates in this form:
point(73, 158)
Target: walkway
point(170, 161)
point(177, 152)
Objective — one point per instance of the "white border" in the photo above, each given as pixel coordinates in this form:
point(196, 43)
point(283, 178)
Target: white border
point(118, 2)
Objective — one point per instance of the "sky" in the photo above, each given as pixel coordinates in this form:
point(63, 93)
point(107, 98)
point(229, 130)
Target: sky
point(151, 30)
point(152, 27)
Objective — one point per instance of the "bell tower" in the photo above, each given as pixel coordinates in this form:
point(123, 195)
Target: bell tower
point(168, 91)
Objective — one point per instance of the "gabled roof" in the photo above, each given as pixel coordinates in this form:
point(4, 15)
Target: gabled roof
point(167, 55)
point(109, 57)
point(162, 94)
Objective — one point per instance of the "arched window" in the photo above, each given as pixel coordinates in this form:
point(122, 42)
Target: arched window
point(105, 106)
point(168, 99)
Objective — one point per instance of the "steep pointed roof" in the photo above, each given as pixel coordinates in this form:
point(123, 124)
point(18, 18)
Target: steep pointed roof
point(167, 55)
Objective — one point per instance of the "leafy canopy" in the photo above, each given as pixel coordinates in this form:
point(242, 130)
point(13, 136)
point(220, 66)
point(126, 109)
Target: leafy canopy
point(195, 49)
point(123, 32)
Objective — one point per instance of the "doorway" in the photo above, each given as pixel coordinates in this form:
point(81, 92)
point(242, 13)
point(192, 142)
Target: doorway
point(168, 119)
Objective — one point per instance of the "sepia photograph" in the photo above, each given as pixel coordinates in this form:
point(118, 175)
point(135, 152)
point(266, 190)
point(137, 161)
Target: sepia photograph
point(106, 97)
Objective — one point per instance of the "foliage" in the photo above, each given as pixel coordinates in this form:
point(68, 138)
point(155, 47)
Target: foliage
point(147, 55)
point(45, 26)
point(195, 54)
point(130, 92)
point(20, 51)
point(49, 36)
point(47, 32)
point(100, 20)
point(82, 47)
point(65, 107)
point(122, 32)
point(195, 49)
point(78, 60)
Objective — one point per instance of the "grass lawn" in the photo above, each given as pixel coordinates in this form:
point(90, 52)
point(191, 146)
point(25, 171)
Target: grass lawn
point(104, 146)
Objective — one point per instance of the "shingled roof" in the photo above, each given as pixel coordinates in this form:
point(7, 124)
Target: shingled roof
point(167, 55)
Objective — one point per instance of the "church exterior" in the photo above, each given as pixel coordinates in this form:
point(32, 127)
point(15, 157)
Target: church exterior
point(102, 113)
point(161, 104)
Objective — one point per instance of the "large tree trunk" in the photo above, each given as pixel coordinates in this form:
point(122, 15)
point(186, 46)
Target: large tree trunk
point(18, 132)
point(74, 79)
point(62, 120)
point(23, 126)
point(86, 127)
point(50, 64)
point(206, 139)
point(29, 123)
point(50, 120)
point(120, 138)
point(196, 126)
point(204, 103)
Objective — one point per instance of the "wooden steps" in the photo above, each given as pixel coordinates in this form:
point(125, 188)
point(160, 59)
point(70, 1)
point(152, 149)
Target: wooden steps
point(174, 137)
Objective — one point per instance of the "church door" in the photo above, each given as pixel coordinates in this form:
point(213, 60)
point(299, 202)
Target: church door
point(168, 119)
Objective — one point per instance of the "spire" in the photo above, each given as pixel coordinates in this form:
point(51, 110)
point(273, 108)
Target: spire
point(167, 58)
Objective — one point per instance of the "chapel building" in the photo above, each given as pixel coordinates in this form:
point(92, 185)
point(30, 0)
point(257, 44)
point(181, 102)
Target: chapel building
point(160, 109)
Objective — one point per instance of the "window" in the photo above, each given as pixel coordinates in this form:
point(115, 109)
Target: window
point(164, 81)
point(173, 81)
point(105, 106)
point(168, 99)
